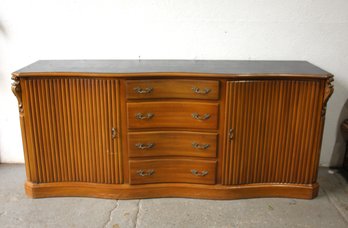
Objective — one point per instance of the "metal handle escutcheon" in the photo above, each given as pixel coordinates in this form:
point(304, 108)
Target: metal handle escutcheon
point(200, 174)
point(143, 91)
point(200, 117)
point(143, 146)
point(147, 116)
point(201, 91)
point(200, 146)
point(146, 173)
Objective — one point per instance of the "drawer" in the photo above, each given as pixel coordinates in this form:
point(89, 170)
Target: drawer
point(164, 143)
point(171, 88)
point(192, 115)
point(172, 171)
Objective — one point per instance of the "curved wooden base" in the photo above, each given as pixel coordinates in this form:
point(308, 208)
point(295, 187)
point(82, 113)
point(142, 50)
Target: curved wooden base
point(125, 191)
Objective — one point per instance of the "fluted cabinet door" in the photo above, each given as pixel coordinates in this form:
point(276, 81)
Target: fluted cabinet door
point(72, 128)
point(274, 130)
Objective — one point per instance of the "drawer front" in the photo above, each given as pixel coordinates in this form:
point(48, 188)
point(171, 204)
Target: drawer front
point(172, 171)
point(144, 144)
point(173, 115)
point(170, 88)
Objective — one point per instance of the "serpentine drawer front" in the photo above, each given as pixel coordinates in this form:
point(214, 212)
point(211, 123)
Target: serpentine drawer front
point(209, 129)
point(194, 89)
point(172, 170)
point(173, 115)
point(172, 143)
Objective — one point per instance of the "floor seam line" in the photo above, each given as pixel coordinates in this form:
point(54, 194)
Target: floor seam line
point(110, 215)
point(334, 204)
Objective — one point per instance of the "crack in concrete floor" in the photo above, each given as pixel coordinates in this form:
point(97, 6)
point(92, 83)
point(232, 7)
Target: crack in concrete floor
point(137, 215)
point(339, 210)
point(110, 214)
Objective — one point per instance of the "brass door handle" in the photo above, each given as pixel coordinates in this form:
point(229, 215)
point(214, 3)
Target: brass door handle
point(200, 146)
point(143, 91)
point(113, 133)
point(199, 174)
point(143, 146)
point(201, 91)
point(231, 134)
point(146, 173)
point(147, 116)
point(200, 117)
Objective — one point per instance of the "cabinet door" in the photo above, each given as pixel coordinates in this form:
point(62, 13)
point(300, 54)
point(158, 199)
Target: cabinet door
point(71, 126)
point(274, 131)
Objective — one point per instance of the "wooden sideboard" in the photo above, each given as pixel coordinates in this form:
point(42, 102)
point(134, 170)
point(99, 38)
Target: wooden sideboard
point(172, 128)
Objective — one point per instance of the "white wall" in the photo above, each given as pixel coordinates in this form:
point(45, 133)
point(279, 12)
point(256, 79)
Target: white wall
point(313, 30)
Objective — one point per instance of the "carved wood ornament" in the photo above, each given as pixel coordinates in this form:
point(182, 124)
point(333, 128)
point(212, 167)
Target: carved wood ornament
point(329, 89)
point(17, 90)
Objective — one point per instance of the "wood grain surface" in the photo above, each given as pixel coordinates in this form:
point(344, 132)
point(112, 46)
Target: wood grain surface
point(200, 191)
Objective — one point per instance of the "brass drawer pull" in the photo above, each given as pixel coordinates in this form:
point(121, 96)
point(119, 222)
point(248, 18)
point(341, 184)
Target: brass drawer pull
point(147, 116)
point(201, 91)
point(144, 173)
point(144, 146)
point(199, 174)
point(200, 146)
point(231, 133)
point(199, 117)
point(113, 133)
point(143, 91)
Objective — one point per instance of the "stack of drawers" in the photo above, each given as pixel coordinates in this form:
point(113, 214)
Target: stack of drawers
point(172, 130)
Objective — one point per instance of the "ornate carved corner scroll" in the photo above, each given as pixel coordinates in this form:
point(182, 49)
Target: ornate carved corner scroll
point(17, 91)
point(329, 89)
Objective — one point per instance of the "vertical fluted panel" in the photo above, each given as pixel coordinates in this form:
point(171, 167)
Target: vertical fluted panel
point(70, 122)
point(276, 127)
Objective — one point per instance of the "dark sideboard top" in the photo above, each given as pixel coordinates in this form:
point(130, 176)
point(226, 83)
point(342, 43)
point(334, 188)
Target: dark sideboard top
point(202, 68)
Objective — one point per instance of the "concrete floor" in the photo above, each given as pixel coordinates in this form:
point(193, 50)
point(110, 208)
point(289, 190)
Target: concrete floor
point(329, 209)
